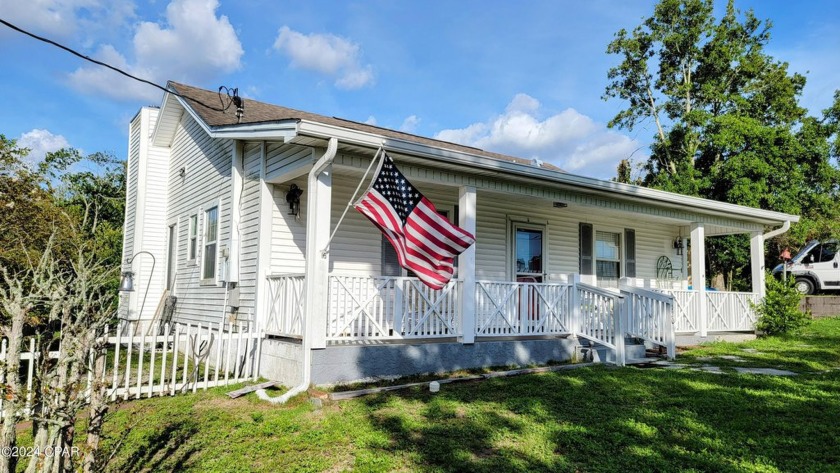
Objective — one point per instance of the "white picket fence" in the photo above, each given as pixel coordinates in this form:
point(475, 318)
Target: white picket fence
point(161, 361)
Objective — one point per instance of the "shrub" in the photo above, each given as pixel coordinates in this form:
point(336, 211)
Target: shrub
point(779, 312)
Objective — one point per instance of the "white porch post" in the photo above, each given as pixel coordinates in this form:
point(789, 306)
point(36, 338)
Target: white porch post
point(698, 272)
point(466, 264)
point(318, 202)
point(261, 301)
point(757, 263)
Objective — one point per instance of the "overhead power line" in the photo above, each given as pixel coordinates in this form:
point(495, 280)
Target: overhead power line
point(232, 94)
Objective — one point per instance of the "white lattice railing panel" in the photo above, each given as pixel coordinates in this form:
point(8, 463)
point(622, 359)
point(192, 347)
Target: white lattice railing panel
point(285, 304)
point(519, 308)
point(730, 311)
point(375, 308)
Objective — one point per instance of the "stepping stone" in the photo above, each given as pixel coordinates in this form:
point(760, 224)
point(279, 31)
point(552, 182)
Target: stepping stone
point(751, 350)
point(709, 369)
point(767, 371)
point(734, 358)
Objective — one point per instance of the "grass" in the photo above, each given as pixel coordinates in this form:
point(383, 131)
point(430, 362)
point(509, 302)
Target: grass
point(591, 419)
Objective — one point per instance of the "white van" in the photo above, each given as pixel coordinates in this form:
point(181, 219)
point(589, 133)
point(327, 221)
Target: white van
point(816, 267)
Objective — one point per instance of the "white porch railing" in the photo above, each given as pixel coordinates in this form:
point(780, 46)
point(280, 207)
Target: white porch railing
point(286, 304)
point(649, 316)
point(725, 311)
point(730, 311)
point(516, 308)
point(377, 308)
point(599, 319)
point(365, 308)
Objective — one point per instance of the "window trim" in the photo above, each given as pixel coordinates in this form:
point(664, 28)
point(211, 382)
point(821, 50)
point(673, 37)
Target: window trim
point(515, 223)
point(173, 222)
point(192, 239)
point(204, 243)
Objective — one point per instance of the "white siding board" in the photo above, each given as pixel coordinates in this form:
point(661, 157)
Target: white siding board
point(207, 182)
point(288, 241)
point(283, 159)
point(249, 227)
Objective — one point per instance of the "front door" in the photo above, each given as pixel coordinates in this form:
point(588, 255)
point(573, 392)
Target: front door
point(529, 260)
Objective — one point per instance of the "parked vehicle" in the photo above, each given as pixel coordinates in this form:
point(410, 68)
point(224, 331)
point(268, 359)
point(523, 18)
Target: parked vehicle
point(816, 267)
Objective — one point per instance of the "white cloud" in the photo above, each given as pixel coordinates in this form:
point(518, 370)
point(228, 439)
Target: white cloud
point(40, 142)
point(193, 45)
point(65, 18)
point(371, 120)
point(410, 124)
point(327, 54)
point(569, 139)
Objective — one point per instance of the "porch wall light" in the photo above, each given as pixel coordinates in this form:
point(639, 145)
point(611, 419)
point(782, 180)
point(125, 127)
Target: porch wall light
point(678, 246)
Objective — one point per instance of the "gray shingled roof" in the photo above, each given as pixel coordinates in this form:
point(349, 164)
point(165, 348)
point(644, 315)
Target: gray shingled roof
point(260, 112)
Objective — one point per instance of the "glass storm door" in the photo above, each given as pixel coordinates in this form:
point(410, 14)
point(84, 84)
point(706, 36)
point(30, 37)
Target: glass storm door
point(528, 251)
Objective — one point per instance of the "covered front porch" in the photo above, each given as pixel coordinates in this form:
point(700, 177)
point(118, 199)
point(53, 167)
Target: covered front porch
point(372, 310)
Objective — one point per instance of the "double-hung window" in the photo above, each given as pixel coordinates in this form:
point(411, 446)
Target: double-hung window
point(607, 255)
point(211, 233)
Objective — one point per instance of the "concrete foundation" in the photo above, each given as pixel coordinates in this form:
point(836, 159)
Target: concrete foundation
point(350, 363)
point(281, 360)
point(821, 306)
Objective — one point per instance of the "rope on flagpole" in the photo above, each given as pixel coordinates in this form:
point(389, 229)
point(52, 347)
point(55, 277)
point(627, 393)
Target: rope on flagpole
point(350, 203)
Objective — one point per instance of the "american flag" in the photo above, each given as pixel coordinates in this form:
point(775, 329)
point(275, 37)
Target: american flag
point(424, 240)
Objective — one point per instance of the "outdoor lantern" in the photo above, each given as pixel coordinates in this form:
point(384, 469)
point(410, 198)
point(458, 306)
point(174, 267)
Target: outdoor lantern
point(293, 198)
point(678, 245)
point(127, 282)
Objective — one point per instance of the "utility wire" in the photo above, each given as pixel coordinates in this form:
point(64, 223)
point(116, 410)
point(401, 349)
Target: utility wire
point(120, 71)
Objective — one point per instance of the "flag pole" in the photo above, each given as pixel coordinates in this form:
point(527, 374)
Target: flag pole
point(352, 199)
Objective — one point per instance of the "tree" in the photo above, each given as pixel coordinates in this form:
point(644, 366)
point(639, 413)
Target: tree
point(728, 122)
point(59, 262)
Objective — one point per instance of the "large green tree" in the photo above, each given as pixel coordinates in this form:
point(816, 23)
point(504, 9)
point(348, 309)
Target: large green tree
point(728, 124)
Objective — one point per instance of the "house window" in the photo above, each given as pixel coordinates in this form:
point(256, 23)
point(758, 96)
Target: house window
point(607, 255)
point(193, 241)
point(211, 231)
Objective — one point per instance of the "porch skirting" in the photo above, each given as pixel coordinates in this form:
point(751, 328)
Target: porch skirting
point(351, 363)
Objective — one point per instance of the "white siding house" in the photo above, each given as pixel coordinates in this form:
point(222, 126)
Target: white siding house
point(560, 261)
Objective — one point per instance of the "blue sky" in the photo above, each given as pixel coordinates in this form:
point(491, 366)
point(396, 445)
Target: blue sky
point(522, 78)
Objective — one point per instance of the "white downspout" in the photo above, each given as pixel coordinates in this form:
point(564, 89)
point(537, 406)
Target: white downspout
point(306, 367)
point(785, 227)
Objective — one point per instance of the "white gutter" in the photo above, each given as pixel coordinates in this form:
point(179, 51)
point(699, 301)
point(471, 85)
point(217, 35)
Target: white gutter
point(312, 252)
point(785, 226)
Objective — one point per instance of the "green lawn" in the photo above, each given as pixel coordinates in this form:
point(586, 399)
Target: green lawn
point(591, 419)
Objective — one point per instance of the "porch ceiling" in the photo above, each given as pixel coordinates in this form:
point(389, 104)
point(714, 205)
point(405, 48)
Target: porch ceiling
point(526, 191)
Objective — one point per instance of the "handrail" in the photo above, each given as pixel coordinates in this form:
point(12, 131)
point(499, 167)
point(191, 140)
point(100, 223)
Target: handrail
point(599, 290)
point(285, 275)
point(659, 296)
